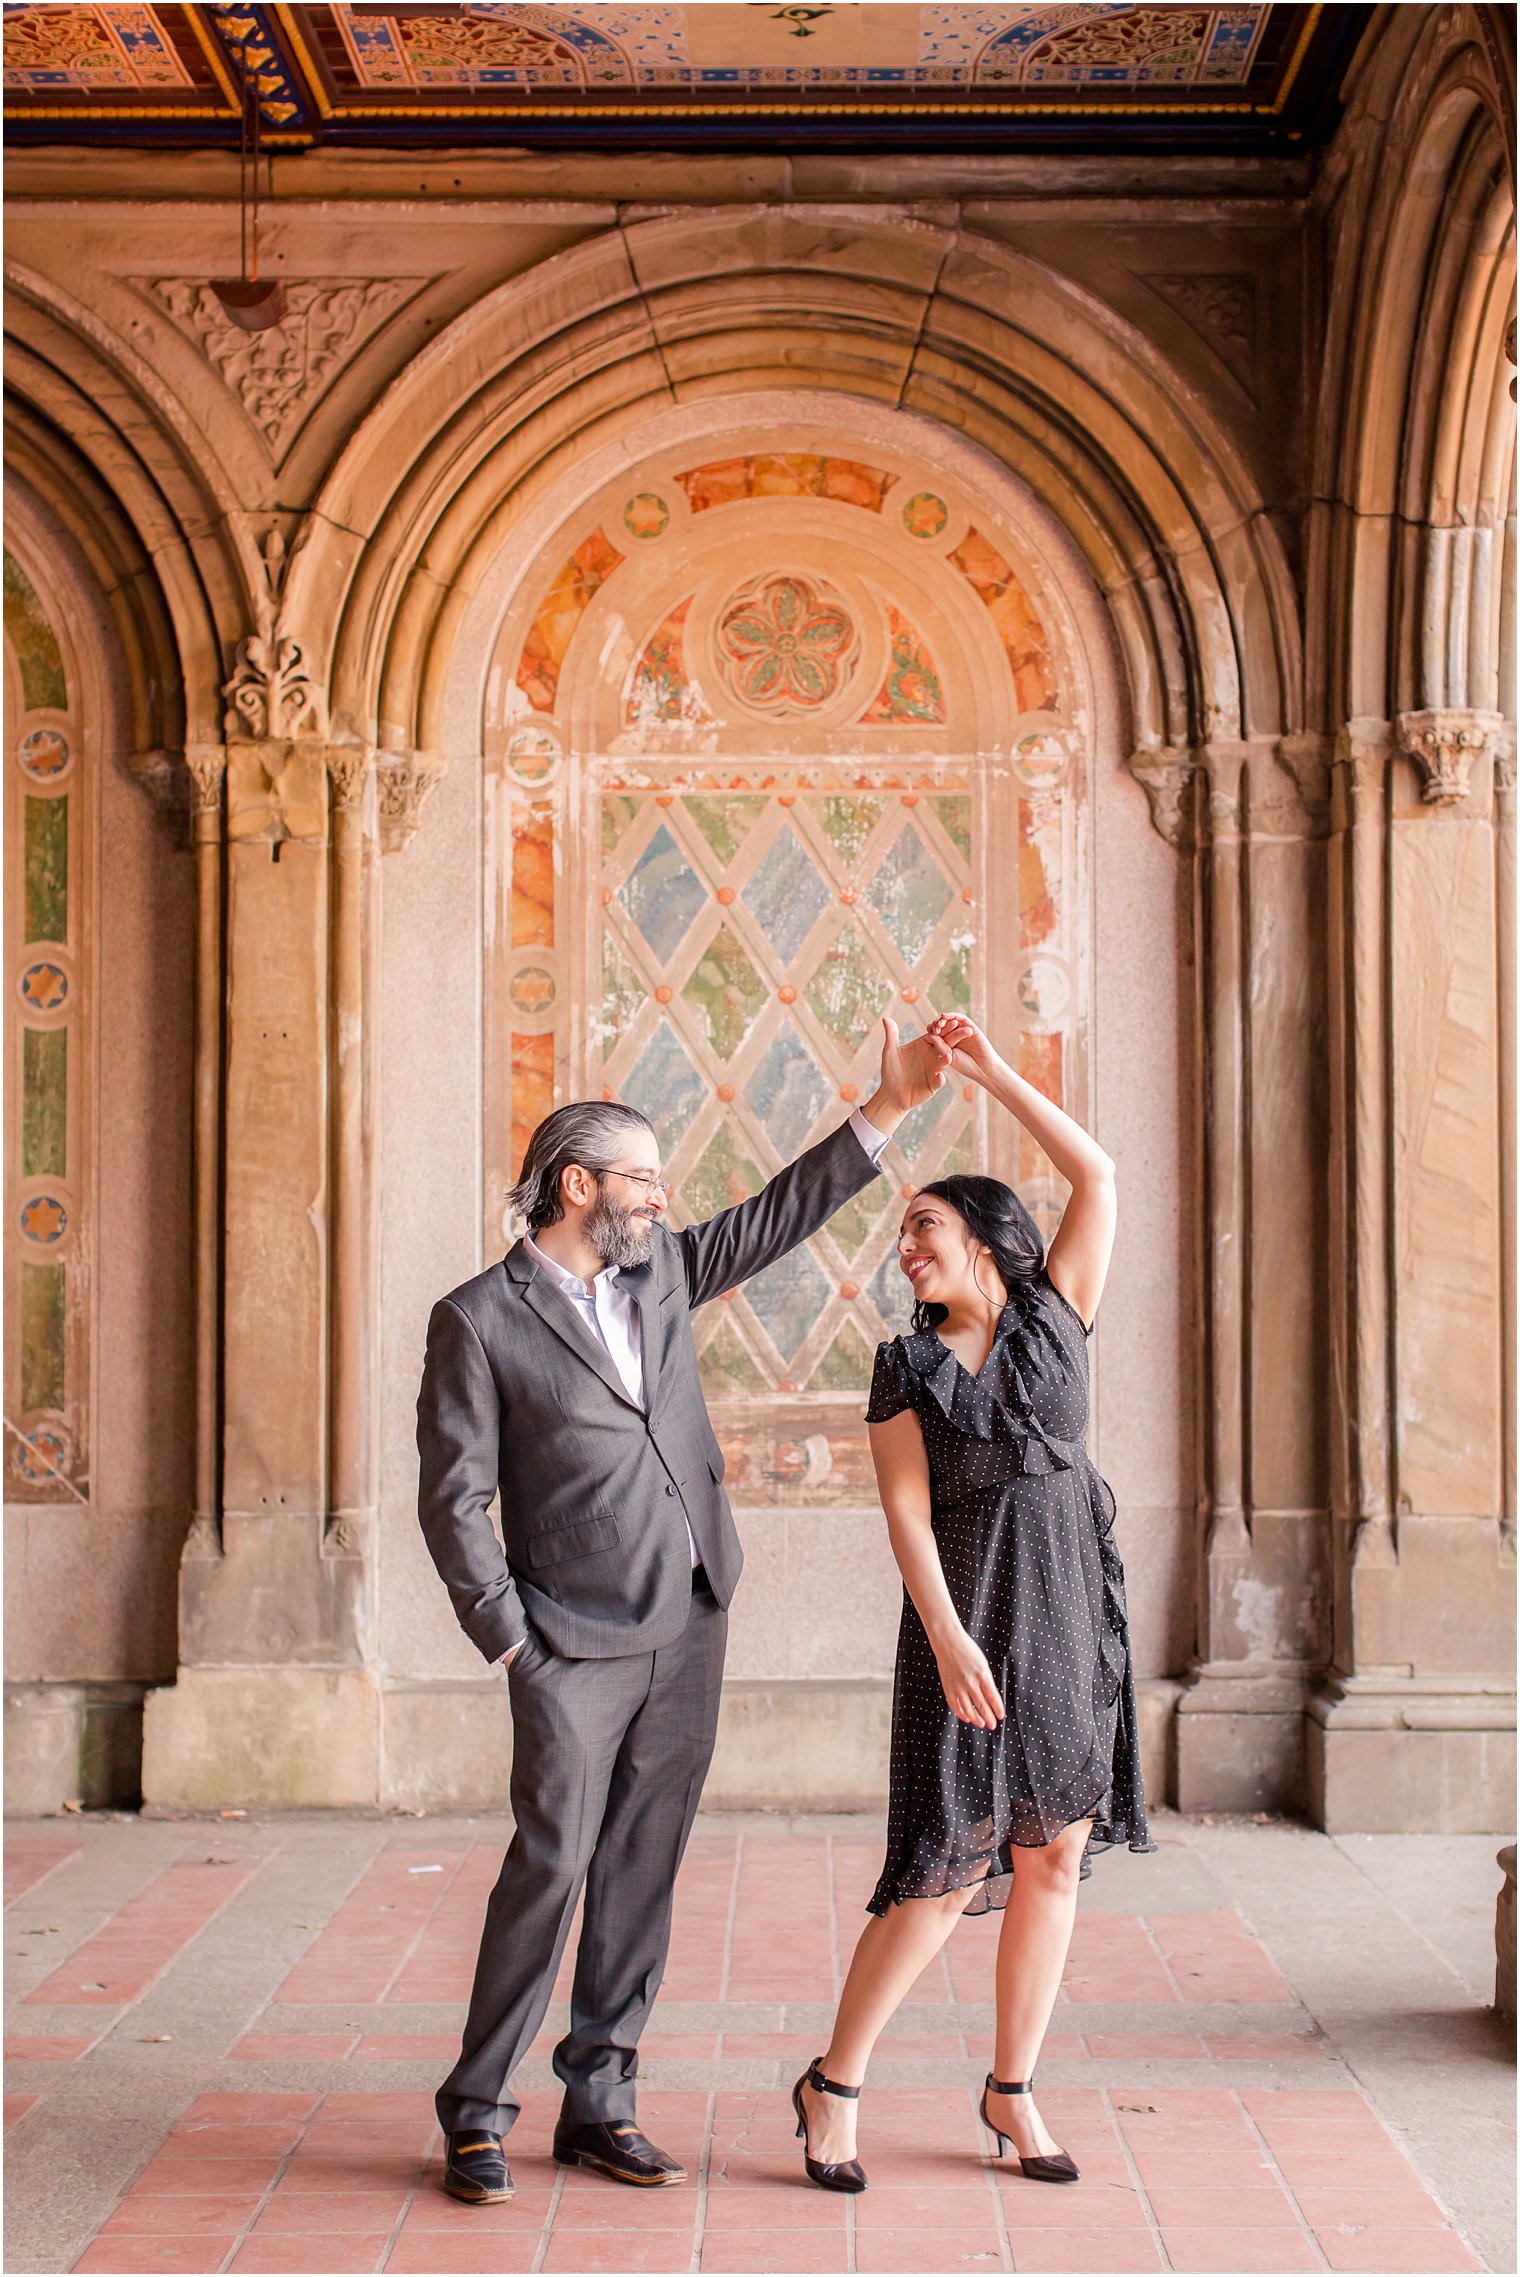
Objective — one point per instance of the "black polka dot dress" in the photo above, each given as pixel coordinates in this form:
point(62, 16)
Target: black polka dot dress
point(1024, 1527)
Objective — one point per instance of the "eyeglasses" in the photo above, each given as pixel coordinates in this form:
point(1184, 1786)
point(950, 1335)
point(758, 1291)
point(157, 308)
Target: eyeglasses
point(648, 1179)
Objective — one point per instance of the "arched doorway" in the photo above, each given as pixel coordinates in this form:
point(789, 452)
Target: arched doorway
point(793, 717)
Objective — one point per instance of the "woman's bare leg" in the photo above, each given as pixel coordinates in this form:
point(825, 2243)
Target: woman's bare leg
point(1032, 1947)
point(894, 1950)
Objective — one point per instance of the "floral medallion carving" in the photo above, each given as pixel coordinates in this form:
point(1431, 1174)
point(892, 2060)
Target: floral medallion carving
point(786, 643)
point(278, 375)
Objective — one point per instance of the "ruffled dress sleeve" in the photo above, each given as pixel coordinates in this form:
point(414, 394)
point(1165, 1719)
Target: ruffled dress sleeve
point(891, 1384)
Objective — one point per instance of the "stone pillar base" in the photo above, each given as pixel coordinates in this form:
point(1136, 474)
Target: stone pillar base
point(72, 1743)
point(313, 1738)
point(1239, 1739)
point(263, 1738)
point(1402, 1781)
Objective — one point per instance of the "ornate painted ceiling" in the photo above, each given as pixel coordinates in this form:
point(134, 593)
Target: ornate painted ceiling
point(1254, 76)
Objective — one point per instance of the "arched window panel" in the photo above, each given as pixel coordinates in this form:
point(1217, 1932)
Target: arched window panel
point(48, 853)
point(786, 740)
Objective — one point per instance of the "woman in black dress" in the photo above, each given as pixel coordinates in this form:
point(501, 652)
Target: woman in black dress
point(1014, 1749)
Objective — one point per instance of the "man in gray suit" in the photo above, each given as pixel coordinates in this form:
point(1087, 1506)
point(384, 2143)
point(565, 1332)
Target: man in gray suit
point(565, 1379)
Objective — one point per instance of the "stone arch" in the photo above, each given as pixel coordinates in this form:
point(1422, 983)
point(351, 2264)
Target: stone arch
point(98, 1198)
point(106, 428)
point(983, 341)
point(1421, 295)
point(919, 543)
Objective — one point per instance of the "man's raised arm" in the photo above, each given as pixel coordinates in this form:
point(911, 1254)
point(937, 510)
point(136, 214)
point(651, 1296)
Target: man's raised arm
point(742, 1241)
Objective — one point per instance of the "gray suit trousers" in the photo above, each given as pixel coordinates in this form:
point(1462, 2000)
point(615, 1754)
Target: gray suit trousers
point(608, 1761)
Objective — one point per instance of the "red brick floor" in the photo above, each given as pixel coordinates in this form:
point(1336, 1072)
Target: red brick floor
point(319, 2165)
point(1187, 2180)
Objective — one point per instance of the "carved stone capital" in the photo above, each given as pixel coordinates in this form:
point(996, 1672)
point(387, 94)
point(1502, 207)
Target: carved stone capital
point(270, 695)
point(206, 764)
point(405, 778)
point(1164, 774)
point(1446, 745)
point(348, 769)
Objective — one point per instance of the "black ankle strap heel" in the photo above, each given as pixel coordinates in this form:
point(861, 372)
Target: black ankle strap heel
point(848, 2174)
point(1059, 2168)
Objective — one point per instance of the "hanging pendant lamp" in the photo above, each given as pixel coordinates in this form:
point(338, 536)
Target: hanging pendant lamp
point(248, 299)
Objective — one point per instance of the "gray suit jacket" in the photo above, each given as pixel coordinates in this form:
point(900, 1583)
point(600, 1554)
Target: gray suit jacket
point(518, 1395)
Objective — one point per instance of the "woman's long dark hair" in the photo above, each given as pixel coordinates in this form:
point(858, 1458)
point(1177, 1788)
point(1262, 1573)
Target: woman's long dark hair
point(996, 1218)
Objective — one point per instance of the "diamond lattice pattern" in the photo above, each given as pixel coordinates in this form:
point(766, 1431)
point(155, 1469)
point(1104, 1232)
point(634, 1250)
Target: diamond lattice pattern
point(751, 935)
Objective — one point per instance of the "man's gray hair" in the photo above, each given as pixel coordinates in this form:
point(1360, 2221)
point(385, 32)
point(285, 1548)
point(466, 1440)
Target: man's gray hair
point(591, 1132)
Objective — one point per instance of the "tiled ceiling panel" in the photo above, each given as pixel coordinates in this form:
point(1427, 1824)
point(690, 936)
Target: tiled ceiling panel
point(1256, 76)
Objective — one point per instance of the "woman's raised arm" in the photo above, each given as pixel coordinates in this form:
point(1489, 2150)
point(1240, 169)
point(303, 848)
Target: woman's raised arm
point(1077, 1260)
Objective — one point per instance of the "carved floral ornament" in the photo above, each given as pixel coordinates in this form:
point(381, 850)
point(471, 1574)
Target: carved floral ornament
point(1446, 745)
point(278, 375)
point(273, 699)
point(270, 695)
point(404, 780)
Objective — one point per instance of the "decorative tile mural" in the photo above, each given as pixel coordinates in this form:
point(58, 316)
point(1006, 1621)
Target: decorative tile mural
point(776, 833)
point(448, 72)
point(911, 690)
point(559, 612)
point(931, 47)
point(47, 1312)
point(785, 474)
point(114, 46)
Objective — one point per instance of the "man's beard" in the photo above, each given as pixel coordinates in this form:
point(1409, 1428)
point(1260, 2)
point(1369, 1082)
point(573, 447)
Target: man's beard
point(615, 1234)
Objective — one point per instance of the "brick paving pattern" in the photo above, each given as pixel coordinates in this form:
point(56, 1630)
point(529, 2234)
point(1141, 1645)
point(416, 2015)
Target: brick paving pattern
point(1216, 2128)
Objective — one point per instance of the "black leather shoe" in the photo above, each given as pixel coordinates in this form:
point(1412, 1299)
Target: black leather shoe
point(476, 2170)
point(1059, 2166)
point(615, 2148)
point(845, 2174)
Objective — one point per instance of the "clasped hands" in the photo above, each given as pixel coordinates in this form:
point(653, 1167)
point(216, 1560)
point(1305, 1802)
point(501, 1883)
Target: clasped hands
point(912, 1073)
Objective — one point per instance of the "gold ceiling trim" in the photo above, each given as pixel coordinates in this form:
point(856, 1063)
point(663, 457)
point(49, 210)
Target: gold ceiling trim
point(303, 55)
point(751, 109)
point(740, 107)
point(217, 61)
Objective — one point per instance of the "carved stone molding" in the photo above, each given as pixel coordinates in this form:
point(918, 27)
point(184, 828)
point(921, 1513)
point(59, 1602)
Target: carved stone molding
point(1446, 745)
point(405, 779)
point(270, 695)
point(1164, 774)
point(1306, 758)
point(1221, 308)
point(279, 375)
point(1361, 752)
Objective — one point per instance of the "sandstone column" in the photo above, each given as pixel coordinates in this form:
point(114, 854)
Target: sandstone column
point(1413, 1727)
point(1262, 1549)
point(275, 1699)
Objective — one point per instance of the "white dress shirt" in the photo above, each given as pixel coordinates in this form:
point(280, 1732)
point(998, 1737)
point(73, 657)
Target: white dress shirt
point(606, 1304)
